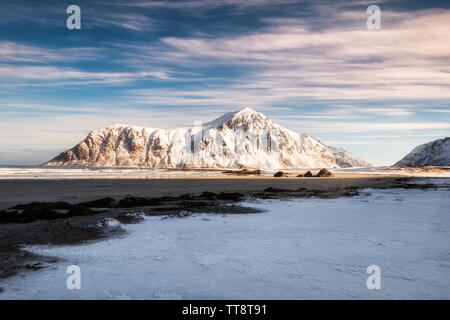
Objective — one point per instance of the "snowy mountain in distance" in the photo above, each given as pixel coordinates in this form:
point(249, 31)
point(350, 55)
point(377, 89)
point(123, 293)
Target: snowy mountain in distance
point(345, 159)
point(243, 138)
point(434, 153)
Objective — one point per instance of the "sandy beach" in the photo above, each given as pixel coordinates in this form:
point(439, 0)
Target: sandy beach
point(14, 192)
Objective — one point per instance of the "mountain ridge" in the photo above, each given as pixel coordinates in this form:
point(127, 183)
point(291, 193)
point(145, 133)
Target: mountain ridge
point(243, 138)
point(434, 153)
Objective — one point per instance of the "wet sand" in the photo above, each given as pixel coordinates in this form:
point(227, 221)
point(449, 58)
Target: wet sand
point(19, 191)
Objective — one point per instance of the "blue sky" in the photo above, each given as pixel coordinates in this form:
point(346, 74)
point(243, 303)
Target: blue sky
point(311, 66)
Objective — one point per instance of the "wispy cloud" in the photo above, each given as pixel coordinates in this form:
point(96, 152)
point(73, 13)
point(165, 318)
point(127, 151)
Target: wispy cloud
point(291, 62)
point(129, 21)
point(50, 75)
point(437, 110)
point(375, 126)
point(17, 52)
point(200, 4)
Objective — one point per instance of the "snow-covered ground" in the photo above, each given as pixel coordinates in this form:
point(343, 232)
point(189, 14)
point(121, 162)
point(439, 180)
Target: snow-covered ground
point(298, 249)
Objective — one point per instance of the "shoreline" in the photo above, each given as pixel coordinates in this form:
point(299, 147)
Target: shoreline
point(90, 173)
point(16, 191)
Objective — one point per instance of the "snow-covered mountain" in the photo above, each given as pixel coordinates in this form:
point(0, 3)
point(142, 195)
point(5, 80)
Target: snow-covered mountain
point(244, 138)
point(345, 159)
point(434, 153)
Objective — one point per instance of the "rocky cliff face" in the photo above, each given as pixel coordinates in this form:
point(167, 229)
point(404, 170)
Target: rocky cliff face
point(434, 153)
point(244, 138)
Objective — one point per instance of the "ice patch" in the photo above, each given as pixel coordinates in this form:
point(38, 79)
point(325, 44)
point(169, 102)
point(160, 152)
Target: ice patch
point(109, 223)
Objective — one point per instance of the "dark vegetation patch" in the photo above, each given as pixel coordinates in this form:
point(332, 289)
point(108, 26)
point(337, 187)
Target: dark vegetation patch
point(100, 203)
point(30, 212)
point(130, 202)
point(274, 193)
point(417, 186)
point(42, 212)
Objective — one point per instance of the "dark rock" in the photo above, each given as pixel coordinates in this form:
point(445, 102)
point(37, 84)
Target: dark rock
point(324, 173)
point(351, 193)
point(79, 211)
point(300, 175)
point(130, 202)
point(8, 216)
point(275, 190)
point(193, 204)
point(163, 199)
point(308, 174)
point(417, 186)
point(130, 217)
point(243, 171)
point(248, 171)
point(34, 212)
point(280, 174)
point(43, 205)
point(99, 203)
point(34, 266)
point(234, 196)
point(208, 195)
point(187, 196)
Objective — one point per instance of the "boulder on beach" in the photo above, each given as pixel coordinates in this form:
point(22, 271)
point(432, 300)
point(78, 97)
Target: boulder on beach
point(243, 171)
point(300, 175)
point(280, 174)
point(249, 171)
point(324, 173)
point(308, 174)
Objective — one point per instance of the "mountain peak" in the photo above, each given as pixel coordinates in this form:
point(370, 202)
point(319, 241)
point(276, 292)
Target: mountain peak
point(245, 110)
point(245, 115)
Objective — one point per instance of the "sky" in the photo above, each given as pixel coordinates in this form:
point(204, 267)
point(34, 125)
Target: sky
point(312, 66)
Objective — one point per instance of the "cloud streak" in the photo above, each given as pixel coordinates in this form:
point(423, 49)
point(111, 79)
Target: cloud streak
point(409, 61)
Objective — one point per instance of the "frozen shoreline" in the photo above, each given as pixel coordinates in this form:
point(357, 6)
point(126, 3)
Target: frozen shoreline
point(299, 249)
point(58, 173)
